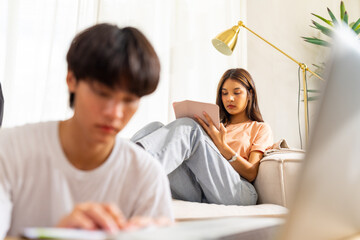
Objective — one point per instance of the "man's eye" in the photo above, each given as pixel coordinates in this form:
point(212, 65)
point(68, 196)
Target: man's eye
point(130, 100)
point(103, 93)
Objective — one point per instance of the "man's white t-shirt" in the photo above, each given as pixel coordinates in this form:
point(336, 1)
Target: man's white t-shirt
point(39, 186)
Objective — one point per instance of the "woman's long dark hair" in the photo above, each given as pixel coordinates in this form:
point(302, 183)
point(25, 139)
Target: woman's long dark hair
point(244, 77)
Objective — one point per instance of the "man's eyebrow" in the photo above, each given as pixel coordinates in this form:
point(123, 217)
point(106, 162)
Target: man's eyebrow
point(101, 86)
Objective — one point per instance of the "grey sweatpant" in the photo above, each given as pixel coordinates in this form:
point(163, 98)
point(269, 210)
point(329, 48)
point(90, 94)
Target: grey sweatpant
point(196, 169)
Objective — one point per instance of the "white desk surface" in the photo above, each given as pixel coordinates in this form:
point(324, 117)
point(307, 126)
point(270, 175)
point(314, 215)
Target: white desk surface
point(196, 230)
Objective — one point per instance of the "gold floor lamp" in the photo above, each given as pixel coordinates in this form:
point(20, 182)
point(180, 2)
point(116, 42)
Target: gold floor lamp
point(225, 43)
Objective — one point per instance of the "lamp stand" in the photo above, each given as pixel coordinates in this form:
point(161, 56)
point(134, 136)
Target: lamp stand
point(306, 112)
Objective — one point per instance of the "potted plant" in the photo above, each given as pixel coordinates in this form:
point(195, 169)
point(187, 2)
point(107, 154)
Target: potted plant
point(330, 24)
point(326, 29)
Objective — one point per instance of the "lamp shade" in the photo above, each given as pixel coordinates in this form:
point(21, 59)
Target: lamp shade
point(225, 42)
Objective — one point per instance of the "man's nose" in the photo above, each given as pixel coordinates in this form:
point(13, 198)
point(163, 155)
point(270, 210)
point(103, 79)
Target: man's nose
point(115, 109)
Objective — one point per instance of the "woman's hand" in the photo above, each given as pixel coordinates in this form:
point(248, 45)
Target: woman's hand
point(246, 168)
point(94, 216)
point(217, 136)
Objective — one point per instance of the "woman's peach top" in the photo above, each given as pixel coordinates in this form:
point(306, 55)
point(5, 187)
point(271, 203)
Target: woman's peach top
point(249, 136)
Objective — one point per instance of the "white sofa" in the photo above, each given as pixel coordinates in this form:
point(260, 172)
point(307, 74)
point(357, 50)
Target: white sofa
point(275, 184)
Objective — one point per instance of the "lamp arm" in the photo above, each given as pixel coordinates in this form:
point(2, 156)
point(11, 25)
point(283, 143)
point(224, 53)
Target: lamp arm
point(302, 65)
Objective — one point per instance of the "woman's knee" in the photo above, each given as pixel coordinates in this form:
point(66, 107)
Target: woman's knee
point(154, 125)
point(186, 121)
point(149, 128)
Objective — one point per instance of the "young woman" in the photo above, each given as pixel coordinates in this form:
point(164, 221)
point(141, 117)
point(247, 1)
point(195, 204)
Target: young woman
point(205, 164)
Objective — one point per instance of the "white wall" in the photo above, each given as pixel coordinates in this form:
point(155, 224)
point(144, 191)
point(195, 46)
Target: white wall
point(283, 23)
point(181, 34)
point(191, 67)
point(35, 36)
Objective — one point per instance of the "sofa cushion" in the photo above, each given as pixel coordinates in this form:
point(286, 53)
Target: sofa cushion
point(275, 184)
point(184, 210)
point(277, 177)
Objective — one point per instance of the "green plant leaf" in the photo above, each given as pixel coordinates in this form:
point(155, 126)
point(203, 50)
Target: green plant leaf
point(346, 18)
point(355, 25)
point(333, 18)
point(323, 19)
point(313, 91)
point(317, 66)
point(324, 30)
point(310, 99)
point(342, 10)
point(317, 41)
point(313, 98)
point(357, 31)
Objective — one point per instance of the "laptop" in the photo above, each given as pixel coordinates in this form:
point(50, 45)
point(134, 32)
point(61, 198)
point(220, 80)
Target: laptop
point(327, 202)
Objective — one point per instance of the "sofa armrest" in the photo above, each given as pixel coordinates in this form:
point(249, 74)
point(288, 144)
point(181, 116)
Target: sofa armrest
point(277, 176)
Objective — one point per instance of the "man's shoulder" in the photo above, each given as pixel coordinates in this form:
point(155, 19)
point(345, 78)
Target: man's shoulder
point(24, 147)
point(29, 132)
point(29, 127)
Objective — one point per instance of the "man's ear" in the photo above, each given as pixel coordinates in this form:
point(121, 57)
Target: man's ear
point(71, 81)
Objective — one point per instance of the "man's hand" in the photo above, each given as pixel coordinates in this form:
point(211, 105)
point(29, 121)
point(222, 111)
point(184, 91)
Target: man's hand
point(142, 222)
point(94, 216)
point(108, 217)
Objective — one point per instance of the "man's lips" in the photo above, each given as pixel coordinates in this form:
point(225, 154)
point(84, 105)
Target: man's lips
point(108, 128)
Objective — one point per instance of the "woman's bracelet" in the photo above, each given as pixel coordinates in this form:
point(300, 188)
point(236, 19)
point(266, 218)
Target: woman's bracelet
point(233, 158)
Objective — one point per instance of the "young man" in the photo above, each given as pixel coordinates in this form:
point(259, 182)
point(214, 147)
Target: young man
point(77, 173)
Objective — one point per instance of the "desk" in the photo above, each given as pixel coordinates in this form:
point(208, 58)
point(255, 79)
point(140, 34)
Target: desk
point(222, 229)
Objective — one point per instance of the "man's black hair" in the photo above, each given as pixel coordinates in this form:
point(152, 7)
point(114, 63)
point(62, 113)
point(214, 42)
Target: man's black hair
point(117, 57)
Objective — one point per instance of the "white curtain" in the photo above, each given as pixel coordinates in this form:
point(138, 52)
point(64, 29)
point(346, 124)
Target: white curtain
point(35, 36)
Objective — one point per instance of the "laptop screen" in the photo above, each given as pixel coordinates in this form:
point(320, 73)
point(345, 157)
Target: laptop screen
point(327, 203)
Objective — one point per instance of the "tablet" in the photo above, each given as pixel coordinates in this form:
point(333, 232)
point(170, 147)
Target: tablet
point(190, 108)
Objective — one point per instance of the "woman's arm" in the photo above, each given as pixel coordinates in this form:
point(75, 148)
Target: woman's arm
point(254, 162)
point(248, 169)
